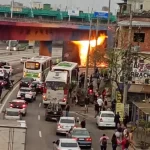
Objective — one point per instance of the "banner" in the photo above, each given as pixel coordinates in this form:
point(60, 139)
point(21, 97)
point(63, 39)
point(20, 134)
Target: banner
point(73, 12)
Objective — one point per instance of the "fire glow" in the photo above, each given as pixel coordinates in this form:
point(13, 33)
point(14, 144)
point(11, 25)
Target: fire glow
point(83, 47)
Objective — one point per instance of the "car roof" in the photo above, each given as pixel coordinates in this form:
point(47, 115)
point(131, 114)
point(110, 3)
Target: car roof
point(67, 140)
point(12, 109)
point(78, 128)
point(18, 100)
point(26, 88)
point(69, 118)
point(107, 112)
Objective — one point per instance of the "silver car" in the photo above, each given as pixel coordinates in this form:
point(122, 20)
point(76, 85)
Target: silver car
point(65, 124)
point(12, 114)
point(66, 144)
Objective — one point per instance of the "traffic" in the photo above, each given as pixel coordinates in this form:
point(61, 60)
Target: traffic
point(44, 93)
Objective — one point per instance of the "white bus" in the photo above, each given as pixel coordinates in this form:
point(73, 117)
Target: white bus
point(37, 67)
point(56, 88)
point(70, 67)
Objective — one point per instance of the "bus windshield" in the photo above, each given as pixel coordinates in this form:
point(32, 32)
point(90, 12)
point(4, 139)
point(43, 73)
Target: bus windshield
point(32, 65)
point(55, 85)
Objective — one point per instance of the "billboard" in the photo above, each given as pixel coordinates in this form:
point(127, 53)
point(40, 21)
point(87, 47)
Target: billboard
point(73, 12)
point(101, 14)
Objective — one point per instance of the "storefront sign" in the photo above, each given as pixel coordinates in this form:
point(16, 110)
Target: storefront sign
point(118, 97)
point(120, 109)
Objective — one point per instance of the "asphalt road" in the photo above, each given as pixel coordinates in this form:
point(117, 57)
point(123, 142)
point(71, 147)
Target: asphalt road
point(41, 134)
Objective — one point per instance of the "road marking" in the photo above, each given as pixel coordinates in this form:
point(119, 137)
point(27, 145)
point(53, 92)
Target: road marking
point(39, 117)
point(40, 134)
point(39, 104)
point(7, 97)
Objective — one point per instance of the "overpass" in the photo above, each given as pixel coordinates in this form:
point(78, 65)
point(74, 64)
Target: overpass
point(48, 29)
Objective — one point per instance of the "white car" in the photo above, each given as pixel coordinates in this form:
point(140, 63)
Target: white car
point(65, 124)
point(66, 144)
point(24, 59)
point(27, 94)
point(8, 69)
point(105, 119)
point(12, 114)
point(19, 104)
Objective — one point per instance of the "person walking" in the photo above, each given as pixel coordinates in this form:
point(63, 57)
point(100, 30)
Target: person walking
point(83, 123)
point(100, 103)
point(98, 83)
point(86, 101)
point(125, 119)
point(96, 109)
point(103, 142)
point(117, 119)
point(67, 109)
point(114, 142)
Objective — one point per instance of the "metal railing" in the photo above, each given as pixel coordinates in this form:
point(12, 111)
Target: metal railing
point(41, 20)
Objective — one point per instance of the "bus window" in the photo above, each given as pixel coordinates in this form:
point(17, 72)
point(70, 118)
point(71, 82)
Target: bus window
point(55, 85)
point(74, 75)
point(32, 65)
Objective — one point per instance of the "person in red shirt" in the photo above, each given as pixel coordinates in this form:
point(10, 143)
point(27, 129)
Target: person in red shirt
point(124, 143)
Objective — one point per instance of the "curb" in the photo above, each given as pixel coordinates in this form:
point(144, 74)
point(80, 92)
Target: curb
point(9, 91)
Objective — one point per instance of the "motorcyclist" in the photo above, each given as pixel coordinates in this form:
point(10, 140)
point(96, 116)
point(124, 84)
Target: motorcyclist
point(91, 86)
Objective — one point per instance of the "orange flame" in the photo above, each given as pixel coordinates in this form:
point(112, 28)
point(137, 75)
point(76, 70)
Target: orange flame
point(83, 45)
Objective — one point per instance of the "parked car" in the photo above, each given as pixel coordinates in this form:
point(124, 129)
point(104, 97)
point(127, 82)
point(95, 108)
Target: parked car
point(105, 119)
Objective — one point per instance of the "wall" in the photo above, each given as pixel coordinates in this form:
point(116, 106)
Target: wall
point(123, 38)
point(146, 5)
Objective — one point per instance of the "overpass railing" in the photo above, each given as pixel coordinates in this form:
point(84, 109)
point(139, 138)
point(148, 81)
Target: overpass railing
point(41, 20)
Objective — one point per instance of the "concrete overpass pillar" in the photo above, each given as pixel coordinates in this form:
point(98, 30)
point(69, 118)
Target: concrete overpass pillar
point(45, 48)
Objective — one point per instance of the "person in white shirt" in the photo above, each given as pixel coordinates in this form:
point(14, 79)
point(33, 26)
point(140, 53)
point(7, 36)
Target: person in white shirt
point(100, 103)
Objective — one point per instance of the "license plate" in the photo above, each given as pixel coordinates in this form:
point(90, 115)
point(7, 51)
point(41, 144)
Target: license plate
point(81, 139)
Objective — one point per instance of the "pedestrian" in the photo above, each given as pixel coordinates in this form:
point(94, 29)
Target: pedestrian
point(100, 103)
point(98, 83)
point(117, 119)
point(125, 143)
point(67, 109)
point(1, 89)
point(83, 123)
point(113, 105)
point(86, 102)
point(96, 109)
point(125, 119)
point(103, 142)
point(103, 93)
point(114, 142)
point(105, 104)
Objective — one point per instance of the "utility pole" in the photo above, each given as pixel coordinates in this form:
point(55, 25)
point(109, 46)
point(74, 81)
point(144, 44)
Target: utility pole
point(97, 25)
point(11, 15)
point(126, 74)
point(87, 60)
point(109, 5)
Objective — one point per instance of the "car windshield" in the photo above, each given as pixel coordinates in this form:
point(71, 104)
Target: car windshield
point(12, 113)
point(107, 115)
point(55, 85)
point(69, 145)
point(7, 67)
point(67, 121)
point(80, 132)
point(25, 90)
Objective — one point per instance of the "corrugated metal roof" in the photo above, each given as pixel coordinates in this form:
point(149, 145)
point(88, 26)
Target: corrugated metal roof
point(134, 23)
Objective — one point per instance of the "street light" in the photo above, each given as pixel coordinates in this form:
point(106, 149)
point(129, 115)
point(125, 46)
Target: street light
point(11, 15)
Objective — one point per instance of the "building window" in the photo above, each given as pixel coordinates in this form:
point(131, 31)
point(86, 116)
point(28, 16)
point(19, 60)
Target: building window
point(139, 37)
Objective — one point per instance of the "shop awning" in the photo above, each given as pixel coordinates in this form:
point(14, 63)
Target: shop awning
point(138, 88)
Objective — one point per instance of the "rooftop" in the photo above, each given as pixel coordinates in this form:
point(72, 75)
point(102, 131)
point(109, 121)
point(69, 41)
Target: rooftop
point(134, 23)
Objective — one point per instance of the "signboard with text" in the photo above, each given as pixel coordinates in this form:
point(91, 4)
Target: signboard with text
point(101, 14)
